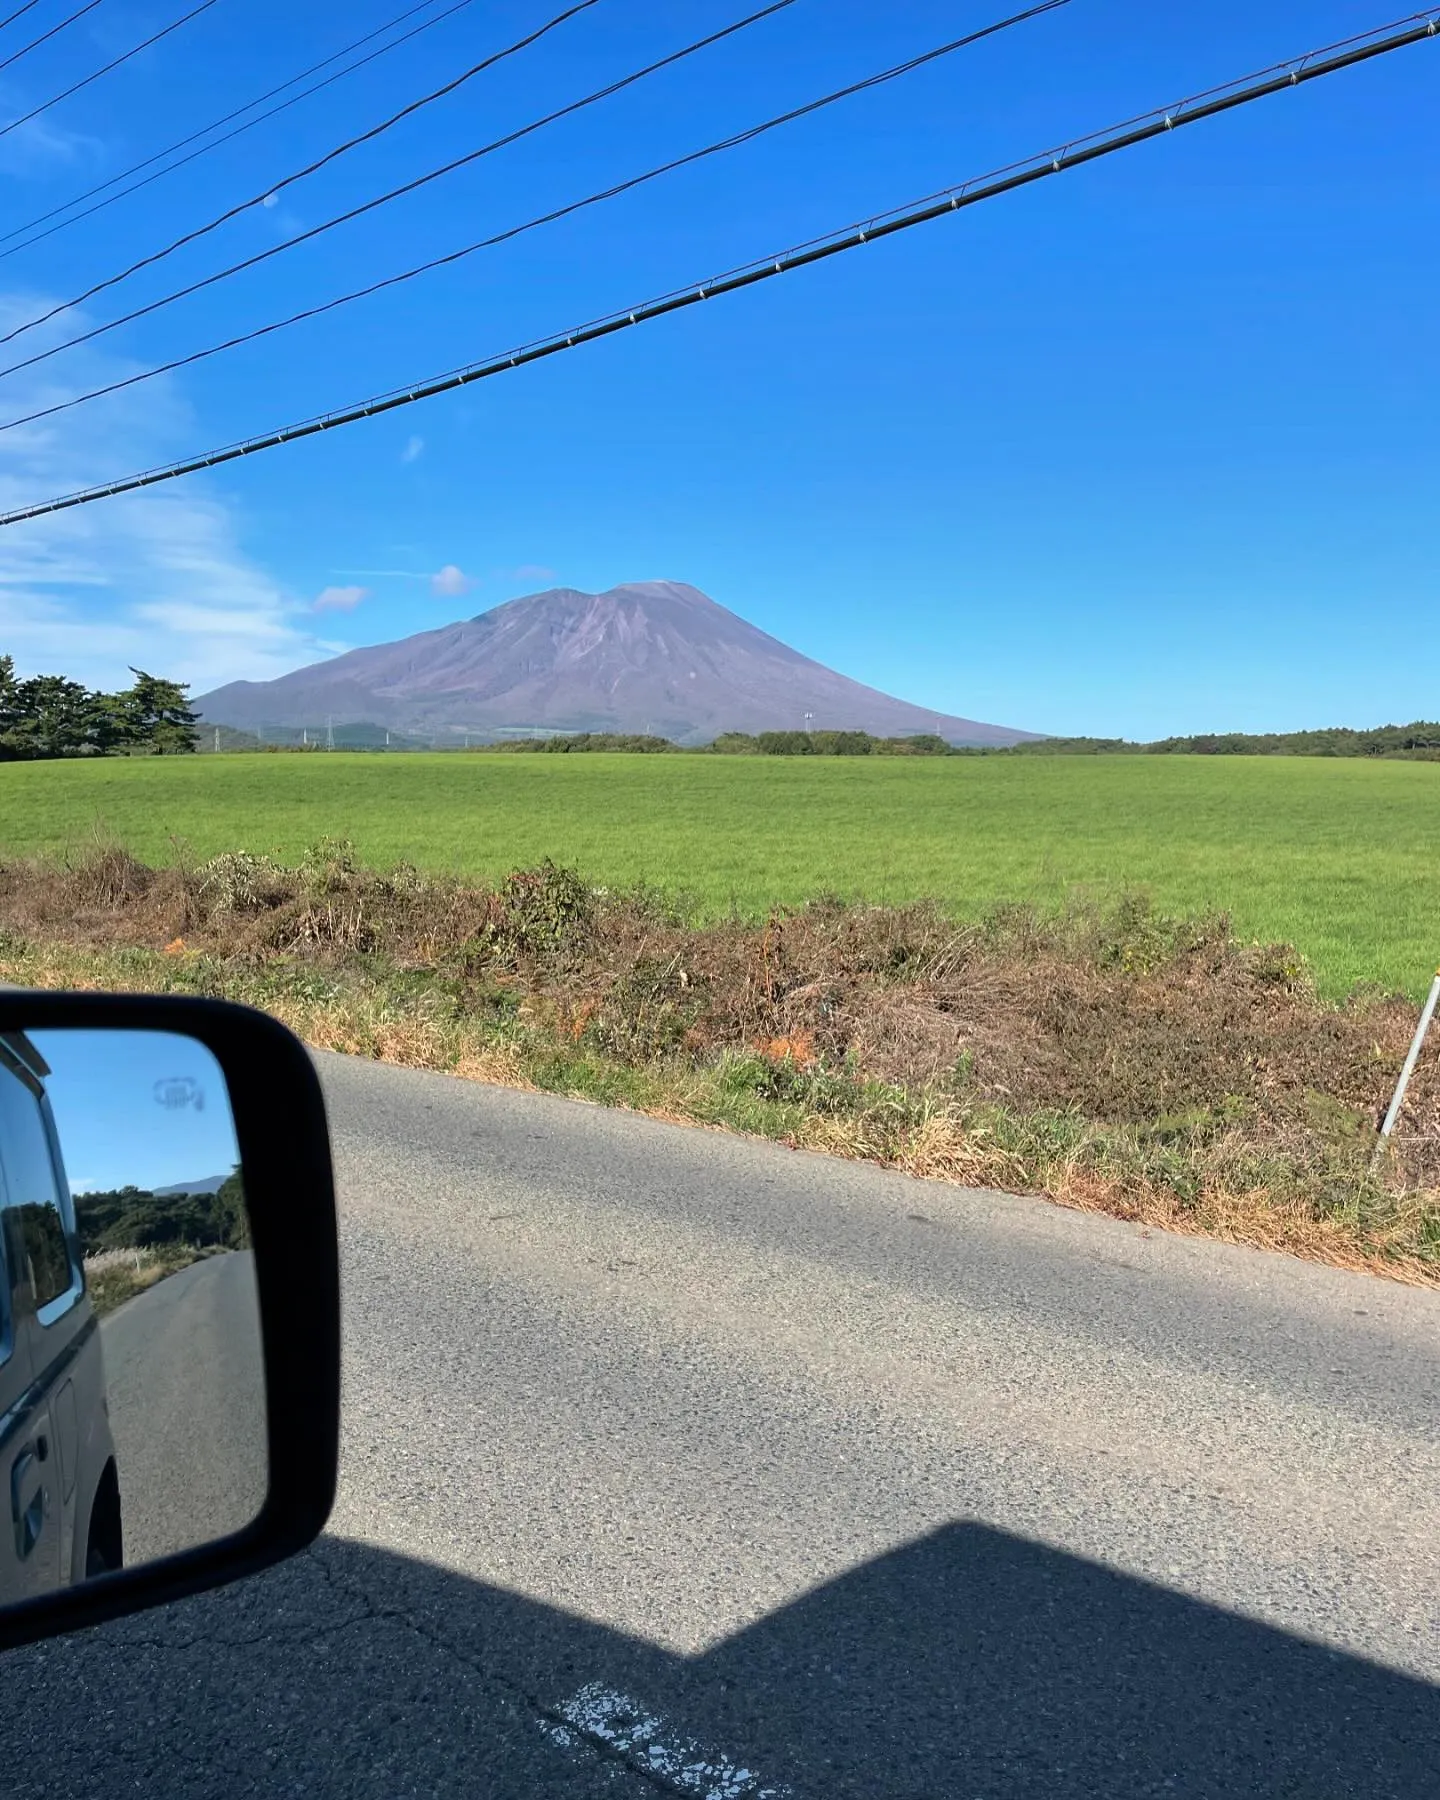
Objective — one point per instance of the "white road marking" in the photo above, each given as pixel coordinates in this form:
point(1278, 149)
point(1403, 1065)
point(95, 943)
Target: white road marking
point(602, 1718)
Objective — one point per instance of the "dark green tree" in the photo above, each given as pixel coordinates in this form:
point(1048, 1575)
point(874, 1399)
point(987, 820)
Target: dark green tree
point(49, 716)
point(232, 1216)
point(9, 704)
point(154, 715)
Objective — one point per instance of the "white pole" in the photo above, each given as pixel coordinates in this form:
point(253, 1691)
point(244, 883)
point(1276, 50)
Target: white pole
point(1412, 1058)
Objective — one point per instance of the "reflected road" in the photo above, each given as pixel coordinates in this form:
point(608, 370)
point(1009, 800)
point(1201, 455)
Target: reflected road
point(185, 1376)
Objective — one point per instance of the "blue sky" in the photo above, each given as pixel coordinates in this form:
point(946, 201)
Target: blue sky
point(1149, 448)
point(137, 1108)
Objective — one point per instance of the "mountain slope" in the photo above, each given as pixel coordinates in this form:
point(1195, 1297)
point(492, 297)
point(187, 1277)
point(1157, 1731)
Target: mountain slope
point(649, 656)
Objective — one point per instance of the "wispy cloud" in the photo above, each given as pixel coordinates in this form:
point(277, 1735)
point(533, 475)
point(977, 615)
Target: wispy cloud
point(339, 599)
point(386, 574)
point(446, 582)
point(40, 147)
point(157, 579)
point(532, 572)
point(414, 448)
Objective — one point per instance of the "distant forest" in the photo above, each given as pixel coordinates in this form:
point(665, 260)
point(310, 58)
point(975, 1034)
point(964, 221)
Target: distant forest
point(1419, 742)
point(134, 1218)
point(50, 716)
point(736, 743)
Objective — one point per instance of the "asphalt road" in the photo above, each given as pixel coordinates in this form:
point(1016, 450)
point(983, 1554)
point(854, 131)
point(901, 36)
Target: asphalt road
point(680, 1465)
point(185, 1378)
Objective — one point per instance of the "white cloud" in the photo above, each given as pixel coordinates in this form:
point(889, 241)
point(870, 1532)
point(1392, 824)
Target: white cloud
point(156, 579)
point(450, 582)
point(413, 448)
point(340, 599)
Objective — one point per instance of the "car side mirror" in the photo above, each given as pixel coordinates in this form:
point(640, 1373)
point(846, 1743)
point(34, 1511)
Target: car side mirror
point(169, 1303)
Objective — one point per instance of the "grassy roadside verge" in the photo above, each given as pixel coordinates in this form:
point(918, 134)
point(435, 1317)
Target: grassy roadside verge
point(115, 1276)
point(1155, 1069)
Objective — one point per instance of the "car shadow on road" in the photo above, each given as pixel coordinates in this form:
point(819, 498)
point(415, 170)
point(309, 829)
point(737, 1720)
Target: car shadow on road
point(969, 1663)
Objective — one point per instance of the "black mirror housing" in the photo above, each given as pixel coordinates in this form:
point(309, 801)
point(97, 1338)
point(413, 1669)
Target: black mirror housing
point(280, 1129)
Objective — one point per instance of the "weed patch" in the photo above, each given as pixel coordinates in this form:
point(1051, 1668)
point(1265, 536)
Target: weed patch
point(1114, 1057)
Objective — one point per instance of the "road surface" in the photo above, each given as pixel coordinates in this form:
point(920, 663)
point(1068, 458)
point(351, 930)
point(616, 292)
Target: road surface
point(680, 1465)
point(186, 1382)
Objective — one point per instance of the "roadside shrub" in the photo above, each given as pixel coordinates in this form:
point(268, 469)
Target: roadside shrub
point(649, 1012)
point(328, 865)
point(106, 875)
point(539, 913)
point(236, 881)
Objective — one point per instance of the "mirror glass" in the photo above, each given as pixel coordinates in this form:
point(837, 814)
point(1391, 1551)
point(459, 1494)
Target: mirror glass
point(132, 1397)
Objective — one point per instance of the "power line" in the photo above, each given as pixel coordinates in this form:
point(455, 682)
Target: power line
point(95, 74)
point(409, 187)
point(18, 13)
point(215, 124)
point(45, 36)
point(266, 194)
point(560, 212)
point(1311, 66)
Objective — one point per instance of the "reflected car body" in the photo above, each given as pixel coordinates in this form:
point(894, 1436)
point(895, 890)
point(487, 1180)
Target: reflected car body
point(60, 1511)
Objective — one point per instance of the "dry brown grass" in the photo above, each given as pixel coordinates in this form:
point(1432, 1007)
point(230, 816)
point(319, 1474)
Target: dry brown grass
point(1153, 1069)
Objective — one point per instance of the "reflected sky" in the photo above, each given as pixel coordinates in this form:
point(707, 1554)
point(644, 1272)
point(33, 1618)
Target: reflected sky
point(142, 1108)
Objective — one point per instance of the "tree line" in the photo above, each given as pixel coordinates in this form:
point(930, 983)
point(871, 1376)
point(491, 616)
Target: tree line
point(134, 1218)
point(1418, 741)
point(47, 716)
point(827, 743)
point(733, 743)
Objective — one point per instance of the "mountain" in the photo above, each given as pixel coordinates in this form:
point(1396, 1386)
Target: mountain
point(207, 1184)
point(652, 656)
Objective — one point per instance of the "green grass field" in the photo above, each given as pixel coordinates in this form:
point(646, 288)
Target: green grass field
point(1341, 857)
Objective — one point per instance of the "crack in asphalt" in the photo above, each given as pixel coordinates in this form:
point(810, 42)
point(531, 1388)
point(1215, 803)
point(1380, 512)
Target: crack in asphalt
point(308, 1634)
point(510, 1692)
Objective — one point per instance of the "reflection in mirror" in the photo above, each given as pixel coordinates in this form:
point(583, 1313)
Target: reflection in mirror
point(132, 1400)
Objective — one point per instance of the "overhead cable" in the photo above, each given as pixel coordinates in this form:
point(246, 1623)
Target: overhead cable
point(266, 195)
point(95, 74)
point(1312, 66)
point(215, 124)
point(560, 212)
point(18, 13)
point(44, 36)
point(408, 187)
